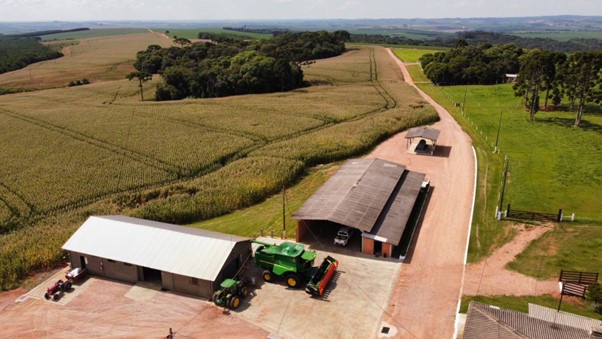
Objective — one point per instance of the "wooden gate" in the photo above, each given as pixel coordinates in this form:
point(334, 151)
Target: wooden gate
point(530, 215)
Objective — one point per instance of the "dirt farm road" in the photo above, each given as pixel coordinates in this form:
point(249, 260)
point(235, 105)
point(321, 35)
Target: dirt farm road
point(424, 302)
point(491, 277)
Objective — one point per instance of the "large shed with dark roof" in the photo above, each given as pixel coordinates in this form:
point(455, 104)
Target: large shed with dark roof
point(374, 196)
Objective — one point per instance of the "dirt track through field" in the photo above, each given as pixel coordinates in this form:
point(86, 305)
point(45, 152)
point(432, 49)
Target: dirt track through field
point(425, 299)
point(490, 276)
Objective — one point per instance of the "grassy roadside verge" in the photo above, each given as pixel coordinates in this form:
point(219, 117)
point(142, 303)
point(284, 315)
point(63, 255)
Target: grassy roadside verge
point(546, 172)
point(487, 233)
point(266, 217)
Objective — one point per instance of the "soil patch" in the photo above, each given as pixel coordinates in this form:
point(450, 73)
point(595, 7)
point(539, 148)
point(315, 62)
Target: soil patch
point(491, 277)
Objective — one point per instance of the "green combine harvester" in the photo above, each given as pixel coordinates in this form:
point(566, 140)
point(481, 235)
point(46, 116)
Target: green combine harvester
point(295, 264)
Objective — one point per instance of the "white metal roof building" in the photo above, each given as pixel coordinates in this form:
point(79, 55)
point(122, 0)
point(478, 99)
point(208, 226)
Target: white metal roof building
point(133, 249)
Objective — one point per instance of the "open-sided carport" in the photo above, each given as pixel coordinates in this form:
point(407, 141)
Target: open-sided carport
point(373, 196)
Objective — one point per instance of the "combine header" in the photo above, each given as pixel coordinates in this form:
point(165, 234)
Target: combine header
point(317, 284)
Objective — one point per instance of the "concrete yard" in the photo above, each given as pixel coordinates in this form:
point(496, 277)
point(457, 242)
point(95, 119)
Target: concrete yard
point(353, 308)
point(105, 308)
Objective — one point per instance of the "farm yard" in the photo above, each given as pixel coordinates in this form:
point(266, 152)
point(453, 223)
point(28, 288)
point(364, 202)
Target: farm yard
point(96, 149)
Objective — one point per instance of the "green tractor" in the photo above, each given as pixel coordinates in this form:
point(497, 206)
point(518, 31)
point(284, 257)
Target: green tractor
point(231, 292)
point(288, 259)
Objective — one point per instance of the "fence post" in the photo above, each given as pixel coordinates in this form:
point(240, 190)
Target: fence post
point(560, 215)
point(573, 217)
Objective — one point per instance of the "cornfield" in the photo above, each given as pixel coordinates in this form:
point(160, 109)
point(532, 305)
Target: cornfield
point(73, 152)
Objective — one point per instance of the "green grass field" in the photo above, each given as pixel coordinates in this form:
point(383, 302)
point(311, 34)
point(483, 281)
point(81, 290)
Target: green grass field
point(417, 74)
point(412, 54)
point(521, 304)
point(567, 247)
point(400, 32)
point(547, 172)
point(192, 33)
point(93, 33)
point(97, 149)
point(560, 36)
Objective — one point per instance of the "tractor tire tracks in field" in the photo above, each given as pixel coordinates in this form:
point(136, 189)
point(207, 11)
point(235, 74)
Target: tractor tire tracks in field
point(122, 151)
point(177, 173)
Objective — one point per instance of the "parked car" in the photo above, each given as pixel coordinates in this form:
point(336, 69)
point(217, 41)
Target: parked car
point(343, 236)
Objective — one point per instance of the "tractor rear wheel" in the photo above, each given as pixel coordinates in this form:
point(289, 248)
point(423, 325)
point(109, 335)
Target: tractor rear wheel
point(267, 276)
point(292, 280)
point(234, 302)
point(67, 286)
point(215, 296)
point(244, 292)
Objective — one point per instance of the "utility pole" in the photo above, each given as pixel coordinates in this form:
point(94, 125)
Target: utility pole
point(283, 212)
point(464, 102)
point(497, 138)
point(504, 185)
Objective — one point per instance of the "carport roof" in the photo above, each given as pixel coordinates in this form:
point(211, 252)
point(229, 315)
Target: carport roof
point(423, 132)
point(395, 215)
point(372, 195)
point(355, 195)
point(171, 248)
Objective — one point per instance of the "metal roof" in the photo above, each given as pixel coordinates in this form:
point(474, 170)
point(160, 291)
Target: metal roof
point(564, 318)
point(395, 215)
point(423, 132)
point(171, 248)
point(373, 195)
point(355, 195)
point(489, 322)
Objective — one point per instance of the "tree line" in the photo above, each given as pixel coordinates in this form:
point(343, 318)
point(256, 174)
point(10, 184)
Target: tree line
point(232, 66)
point(18, 52)
point(477, 38)
point(542, 75)
point(551, 75)
point(465, 64)
point(259, 30)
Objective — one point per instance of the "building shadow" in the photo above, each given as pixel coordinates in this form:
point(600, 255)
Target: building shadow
point(410, 252)
point(442, 151)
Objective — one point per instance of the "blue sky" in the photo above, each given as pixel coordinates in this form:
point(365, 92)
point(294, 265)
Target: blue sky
point(81, 10)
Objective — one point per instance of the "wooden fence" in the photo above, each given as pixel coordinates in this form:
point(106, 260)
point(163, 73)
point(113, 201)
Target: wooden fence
point(576, 283)
point(578, 277)
point(530, 215)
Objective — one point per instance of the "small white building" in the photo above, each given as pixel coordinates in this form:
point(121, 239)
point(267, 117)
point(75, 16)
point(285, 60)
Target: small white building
point(511, 78)
point(182, 259)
